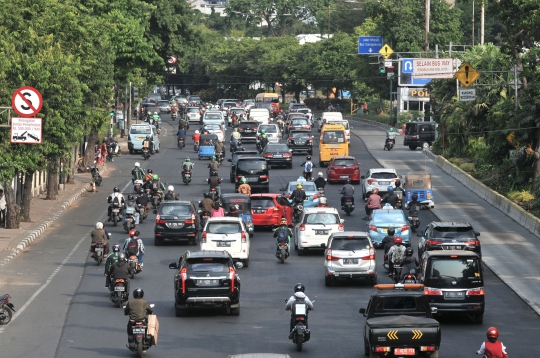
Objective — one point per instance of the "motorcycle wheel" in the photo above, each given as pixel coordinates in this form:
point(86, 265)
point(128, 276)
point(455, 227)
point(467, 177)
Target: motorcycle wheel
point(139, 349)
point(348, 212)
point(299, 341)
point(119, 302)
point(8, 314)
point(115, 220)
point(99, 260)
point(282, 256)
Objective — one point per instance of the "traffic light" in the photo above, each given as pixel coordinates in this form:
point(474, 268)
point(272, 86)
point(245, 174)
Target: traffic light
point(382, 67)
point(134, 94)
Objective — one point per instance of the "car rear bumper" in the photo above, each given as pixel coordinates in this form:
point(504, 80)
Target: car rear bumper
point(301, 148)
point(280, 161)
point(350, 274)
point(266, 220)
point(338, 177)
point(176, 235)
point(459, 307)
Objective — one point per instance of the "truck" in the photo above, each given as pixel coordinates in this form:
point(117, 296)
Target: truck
point(399, 323)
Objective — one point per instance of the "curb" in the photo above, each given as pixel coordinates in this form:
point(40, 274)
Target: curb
point(41, 228)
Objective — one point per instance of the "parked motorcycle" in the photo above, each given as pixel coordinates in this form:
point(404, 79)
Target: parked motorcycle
point(181, 142)
point(119, 293)
point(187, 177)
point(129, 223)
point(141, 339)
point(146, 153)
point(283, 251)
point(300, 332)
point(6, 309)
point(133, 261)
point(348, 205)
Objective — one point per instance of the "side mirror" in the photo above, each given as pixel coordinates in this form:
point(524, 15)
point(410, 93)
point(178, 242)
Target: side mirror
point(342, 220)
point(477, 233)
point(173, 266)
point(239, 265)
point(282, 189)
point(362, 311)
point(363, 177)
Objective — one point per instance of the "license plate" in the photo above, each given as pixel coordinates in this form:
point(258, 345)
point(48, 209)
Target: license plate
point(259, 211)
point(138, 330)
point(454, 294)
point(115, 210)
point(223, 244)
point(248, 131)
point(278, 156)
point(384, 230)
point(344, 177)
point(120, 288)
point(384, 182)
point(175, 225)
point(140, 138)
point(321, 232)
point(350, 261)
point(252, 179)
point(452, 247)
point(207, 282)
point(405, 351)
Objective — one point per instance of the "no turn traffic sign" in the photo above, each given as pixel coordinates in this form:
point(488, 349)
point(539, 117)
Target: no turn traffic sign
point(27, 101)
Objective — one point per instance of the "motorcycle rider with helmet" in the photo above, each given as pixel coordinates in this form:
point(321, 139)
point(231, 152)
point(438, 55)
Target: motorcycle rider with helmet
point(396, 254)
point(116, 196)
point(137, 309)
point(149, 175)
point(206, 204)
point(298, 195)
point(298, 297)
point(142, 200)
point(493, 348)
point(233, 211)
point(220, 147)
point(99, 236)
point(308, 168)
point(214, 181)
point(322, 203)
point(388, 240)
point(244, 187)
point(137, 173)
point(135, 235)
point(121, 269)
point(346, 191)
point(320, 182)
point(213, 165)
point(414, 204)
point(373, 202)
point(196, 137)
point(390, 137)
point(132, 203)
point(187, 165)
point(111, 259)
point(236, 135)
point(409, 263)
point(263, 142)
point(390, 197)
point(171, 195)
point(283, 227)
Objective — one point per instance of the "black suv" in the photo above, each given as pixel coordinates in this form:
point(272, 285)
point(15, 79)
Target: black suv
point(248, 130)
point(234, 159)
point(255, 170)
point(419, 134)
point(300, 141)
point(176, 220)
point(449, 236)
point(454, 282)
point(206, 279)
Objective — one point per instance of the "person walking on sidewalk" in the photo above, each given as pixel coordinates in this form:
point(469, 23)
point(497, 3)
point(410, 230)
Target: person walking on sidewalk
point(2, 208)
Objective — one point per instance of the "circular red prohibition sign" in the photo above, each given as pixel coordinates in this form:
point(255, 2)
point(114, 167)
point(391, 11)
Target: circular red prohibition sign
point(27, 101)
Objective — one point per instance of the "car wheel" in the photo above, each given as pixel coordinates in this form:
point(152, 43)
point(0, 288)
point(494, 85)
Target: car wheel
point(131, 151)
point(158, 241)
point(320, 164)
point(246, 262)
point(235, 311)
point(295, 247)
point(300, 252)
point(366, 348)
point(478, 318)
point(327, 281)
point(180, 312)
point(193, 241)
point(412, 147)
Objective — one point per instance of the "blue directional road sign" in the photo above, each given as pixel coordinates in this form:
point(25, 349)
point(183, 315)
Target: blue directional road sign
point(369, 45)
point(405, 74)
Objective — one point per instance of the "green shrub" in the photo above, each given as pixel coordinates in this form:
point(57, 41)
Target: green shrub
point(467, 167)
point(454, 161)
point(520, 195)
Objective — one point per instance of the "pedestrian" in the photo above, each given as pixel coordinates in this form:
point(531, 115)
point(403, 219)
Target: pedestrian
point(2, 208)
point(365, 108)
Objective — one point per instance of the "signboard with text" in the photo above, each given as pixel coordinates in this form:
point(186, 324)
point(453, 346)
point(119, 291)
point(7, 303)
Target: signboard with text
point(369, 45)
point(433, 68)
point(26, 130)
point(405, 74)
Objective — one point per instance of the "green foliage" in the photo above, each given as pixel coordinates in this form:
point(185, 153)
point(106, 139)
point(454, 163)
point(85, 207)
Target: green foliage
point(467, 167)
point(520, 195)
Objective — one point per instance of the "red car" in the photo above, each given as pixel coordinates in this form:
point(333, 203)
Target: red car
point(343, 168)
point(268, 209)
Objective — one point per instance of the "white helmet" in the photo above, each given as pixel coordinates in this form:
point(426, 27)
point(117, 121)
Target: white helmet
point(322, 200)
point(99, 225)
point(137, 164)
point(170, 188)
point(320, 174)
point(155, 112)
point(196, 132)
point(300, 295)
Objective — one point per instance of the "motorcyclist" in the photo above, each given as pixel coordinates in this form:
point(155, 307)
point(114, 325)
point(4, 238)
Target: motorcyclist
point(372, 203)
point(171, 195)
point(396, 254)
point(160, 188)
point(346, 191)
point(137, 309)
point(492, 348)
point(111, 259)
point(196, 137)
point(142, 200)
point(259, 137)
point(134, 235)
point(214, 181)
point(390, 137)
point(132, 203)
point(263, 143)
point(298, 195)
point(181, 134)
point(149, 175)
point(236, 135)
point(414, 204)
point(213, 165)
point(388, 240)
point(220, 147)
point(409, 263)
point(308, 168)
point(233, 211)
point(206, 204)
point(282, 233)
point(298, 297)
point(137, 173)
point(157, 120)
point(390, 197)
point(244, 187)
point(320, 182)
point(121, 269)
point(149, 143)
point(235, 146)
point(398, 186)
point(187, 165)
point(117, 197)
point(99, 236)
point(322, 203)
point(182, 124)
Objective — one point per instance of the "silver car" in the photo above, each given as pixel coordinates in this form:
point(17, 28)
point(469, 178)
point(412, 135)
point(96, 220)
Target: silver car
point(348, 255)
point(380, 178)
point(272, 132)
point(164, 106)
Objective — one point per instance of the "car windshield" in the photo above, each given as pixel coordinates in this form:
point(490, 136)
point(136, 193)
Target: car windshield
point(388, 218)
point(305, 186)
point(454, 268)
point(252, 165)
point(333, 137)
point(299, 122)
point(223, 228)
point(240, 155)
point(278, 148)
point(140, 130)
point(176, 210)
point(227, 104)
point(382, 175)
point(347, 244)
point(212, 127)
point(263, 203)
point(454, 232)
point(298, 106)
point(321, 218)
point(163, 103)
point(208, 266)
point(344, 162)
point(237, 110)
point(268, 129)
point(194, 98)
point(213, 116)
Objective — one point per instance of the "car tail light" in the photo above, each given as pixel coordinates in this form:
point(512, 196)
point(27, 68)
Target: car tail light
point(372, 228)
point(183, 276)
point(479, 291)
point(329, 256)
point(244, 238)
point(290, 138)
point(231, 277)
point(382, 349)
point(310, 138)
point(414, 137)
point(268, 155)
point(286, 155)
point(302, 227)
point(264, 177)
point(315, 196)
point(371, 181)
point(473, 242)
point(371, 255)
point(276, 209)
point(404, 228)
point(395, 180)
point(340, 227)
point(203, 237)
point(160, 222)
point(238, 177)
point(433, 242)
point(432, 291)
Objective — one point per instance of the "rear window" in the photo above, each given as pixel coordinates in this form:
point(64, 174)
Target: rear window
point(300, 135)
point(321, 218)
point(333, 137)
point(454, 268)
point(251, 164)
point(213, 116)
point(140, 130)
point(350, 244)
point(192, 110)
point(264, 203)
point(305, 186)
point(208, 265)
point(344, 162)
point(268, 129)
point(398, 303)
point(223, 228)
point(343, 123)
point(298, 106)
point(248, 125)
point(299, 121)
point(163, 103)
point(388, 218)
point(178, 210)
point(236, 156)
point(382, 175)
point(454, 232)
point(281, 148)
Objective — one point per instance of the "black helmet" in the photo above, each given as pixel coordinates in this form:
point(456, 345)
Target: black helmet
point(398, 183)
point(415, 197)
point(348, 180)
point(149, 171)
point(409, 251)
point(299, 288)
point(141, 191)
point(116, 190)
point(138, 293)
point(391, 231)
point(130, 197)
point(308, 157)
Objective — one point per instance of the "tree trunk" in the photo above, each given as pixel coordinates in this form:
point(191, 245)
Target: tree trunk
point(13, 210)
point(52, 179)
point(89, 153)
point(27, 196)
point(72, 165)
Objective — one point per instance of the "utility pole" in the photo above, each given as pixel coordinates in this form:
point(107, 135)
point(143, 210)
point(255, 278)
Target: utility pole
point(426, 29)
point(473, 23)
point(482, 24)
point(328, 33)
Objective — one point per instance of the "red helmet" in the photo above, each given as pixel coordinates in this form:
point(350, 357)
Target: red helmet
point(398, 240)
point(492, 334)
point(132, 232)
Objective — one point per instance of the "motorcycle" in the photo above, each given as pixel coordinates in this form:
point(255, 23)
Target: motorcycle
point(219, 157)
point(308, 175)
point(133, 261)
point(140, 340)
point(283, 252)
point(119, 293)
point(300, 332)
point(174, 114)
point(156, 200)
point(399, 201)
point(145, 153)
point(205, 215)
point(321, 192)
point(98, 253)
point(348, 206)
point(96, 177)
point(298, 208)
point(414, 220)
point(236, 145)
point(115, 213)
point(187, 177)
point(142, 212)
point(181, 142)
point(410, 277)
point(390, 142)
point(129, 223)
point(137, 184)
point(5, 309)
point(196, 147)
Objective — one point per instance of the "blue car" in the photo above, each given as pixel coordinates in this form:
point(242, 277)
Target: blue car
point(312, 193)
point(383, 219)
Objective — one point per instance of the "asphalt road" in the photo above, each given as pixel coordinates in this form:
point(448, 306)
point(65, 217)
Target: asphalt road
point(66, 311)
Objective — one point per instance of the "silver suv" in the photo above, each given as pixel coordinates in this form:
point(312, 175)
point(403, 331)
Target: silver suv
point(380, 178)
point(348, 255)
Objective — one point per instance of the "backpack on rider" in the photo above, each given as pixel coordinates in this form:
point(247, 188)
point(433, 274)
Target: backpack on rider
point(132, 248)
point(399, 255)
point(283, 235)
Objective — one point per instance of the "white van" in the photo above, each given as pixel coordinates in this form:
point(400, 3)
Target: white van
point(261, 115)
point(229, 234)
point(137, 135)
point(337, 116)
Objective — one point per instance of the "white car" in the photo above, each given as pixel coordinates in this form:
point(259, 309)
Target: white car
point(193, 114)
point(229, 234)
point(315, 227)
point(216, 129)
point(380, 178)
point(272, 132)
point(213, 117)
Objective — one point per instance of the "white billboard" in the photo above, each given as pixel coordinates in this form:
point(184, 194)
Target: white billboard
point(433, 68)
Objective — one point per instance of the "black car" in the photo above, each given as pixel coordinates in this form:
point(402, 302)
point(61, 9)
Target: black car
point(236, 155)
point(454, 282)
point(419, 134)
point(248, 130)
point(300, 141)
point(277, 154)
point(449, 236)
point(206, 279)
point(176, 220)
point(255, 170)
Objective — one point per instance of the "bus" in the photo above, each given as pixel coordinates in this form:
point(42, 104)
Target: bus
point(267, 97)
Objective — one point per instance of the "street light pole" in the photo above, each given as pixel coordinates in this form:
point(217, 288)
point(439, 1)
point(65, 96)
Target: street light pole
point(426, 30)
